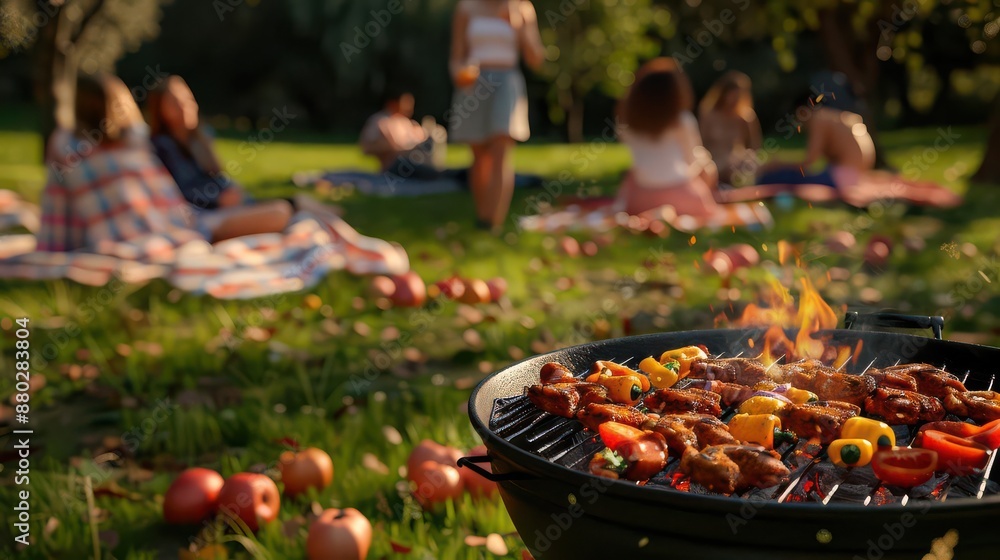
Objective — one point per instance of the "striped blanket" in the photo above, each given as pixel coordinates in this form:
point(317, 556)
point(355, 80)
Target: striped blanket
point(316, 242)
point(603, 217)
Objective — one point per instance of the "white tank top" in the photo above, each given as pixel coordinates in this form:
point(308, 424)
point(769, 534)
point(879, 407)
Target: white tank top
point(665, 160)
point(492, 42)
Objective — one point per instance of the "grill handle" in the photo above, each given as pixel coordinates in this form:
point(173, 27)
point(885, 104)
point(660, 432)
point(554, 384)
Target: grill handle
point(895, 321)
point(470, 463)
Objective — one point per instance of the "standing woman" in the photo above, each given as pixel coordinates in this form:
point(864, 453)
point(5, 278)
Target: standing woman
point(730, 129)
point(490, 107)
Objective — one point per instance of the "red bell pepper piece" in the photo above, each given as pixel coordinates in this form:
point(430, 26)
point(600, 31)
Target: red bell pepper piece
point(905, 467)
point(615, 435)
point(988, 435)
point(956, 455)
point(960, 429)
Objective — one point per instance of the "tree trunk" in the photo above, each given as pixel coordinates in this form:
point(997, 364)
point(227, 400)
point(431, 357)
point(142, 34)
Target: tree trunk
point(55, 80)
point(989, 170)
point(574, 121)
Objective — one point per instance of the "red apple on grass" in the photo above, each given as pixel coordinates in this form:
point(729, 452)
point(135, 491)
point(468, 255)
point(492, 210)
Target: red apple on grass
point(497, 287)
point(436, 483)
point(309, 468)
point(410, 290)
point(476, 291)
point(343, 534)
point(192, 496)
point(251, 497)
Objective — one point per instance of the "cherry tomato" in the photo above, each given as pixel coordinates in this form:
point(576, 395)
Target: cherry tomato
point(957, 456)
point(900, 466)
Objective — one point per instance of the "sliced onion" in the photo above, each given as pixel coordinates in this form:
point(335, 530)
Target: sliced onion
point(782, 389)
point(772, 395)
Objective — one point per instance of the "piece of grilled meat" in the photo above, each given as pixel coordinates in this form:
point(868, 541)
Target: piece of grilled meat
point(832, 386)
point(930, 380)
point(731, 393)
point(595, 414)
point(732, 468)
point(565, 399)
point(892, 379)
point(690, 430)
point(680, 401)
point(981, 406)
point(743, 371)
point(554, 372)
point(897, 406)
point(783, 373)
point(819, 420)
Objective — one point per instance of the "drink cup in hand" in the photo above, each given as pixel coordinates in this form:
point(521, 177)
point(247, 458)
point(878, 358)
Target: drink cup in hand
point(467, 75)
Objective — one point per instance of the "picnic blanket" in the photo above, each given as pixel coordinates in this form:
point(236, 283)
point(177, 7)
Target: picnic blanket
point(601, 215)
point(316, 242)
point(386, 185)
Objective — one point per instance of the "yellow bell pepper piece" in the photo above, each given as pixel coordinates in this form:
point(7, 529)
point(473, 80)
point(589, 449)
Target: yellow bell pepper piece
point(760, 405)
point(622, 389)
point(755, 428)
point(850, 452)
point(879, 434)
point(600, 366)
point(685, 356)
point(800, 396)
point(661, 376)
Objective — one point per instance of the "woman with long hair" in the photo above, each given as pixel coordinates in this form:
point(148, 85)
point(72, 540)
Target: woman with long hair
point(730, 128)
point(669, 164)
point(490, 108)
point(186, 147)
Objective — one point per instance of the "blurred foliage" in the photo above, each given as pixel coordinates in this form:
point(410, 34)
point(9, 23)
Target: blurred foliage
point(330, 61)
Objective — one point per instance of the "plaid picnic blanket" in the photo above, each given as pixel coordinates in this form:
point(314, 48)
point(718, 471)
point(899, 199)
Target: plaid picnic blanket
point(316, 242)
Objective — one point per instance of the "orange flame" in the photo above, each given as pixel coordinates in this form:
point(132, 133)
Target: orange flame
point(778, 312)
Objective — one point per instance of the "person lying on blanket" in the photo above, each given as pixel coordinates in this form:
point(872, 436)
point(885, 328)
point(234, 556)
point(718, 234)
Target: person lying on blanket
point(105, 185)
point(841, 139)
point(186, 147)
point(669, 164)
point(403, 147)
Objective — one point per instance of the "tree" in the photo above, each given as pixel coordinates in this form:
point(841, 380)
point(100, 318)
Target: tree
point(594, 44)
point(73, 35)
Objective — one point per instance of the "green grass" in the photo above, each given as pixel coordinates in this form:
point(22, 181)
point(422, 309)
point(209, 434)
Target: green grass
point(184, 380)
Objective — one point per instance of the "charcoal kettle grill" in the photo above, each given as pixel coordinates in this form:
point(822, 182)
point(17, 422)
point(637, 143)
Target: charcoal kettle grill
point(562, 511)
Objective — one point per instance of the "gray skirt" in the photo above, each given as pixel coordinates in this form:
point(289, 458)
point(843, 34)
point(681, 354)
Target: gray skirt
point(496, 105)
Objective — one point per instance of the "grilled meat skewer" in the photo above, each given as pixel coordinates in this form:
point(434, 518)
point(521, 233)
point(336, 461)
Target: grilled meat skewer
point(731, 468)
point(832, 386)
point(742, 371)
point(817, 420)
point(981, 406)
point(565, 399)
point(680, 401)
point(897, 406)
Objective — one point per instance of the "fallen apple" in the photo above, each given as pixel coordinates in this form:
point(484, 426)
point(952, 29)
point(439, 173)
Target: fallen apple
point(497, 287)
point(192, 496)
point(429, 450)
point(410, 290)
point(309, 468)
point(476, 291)
point(250, 497)
point(344, 534)
point(382, 286)
point(451, 288)
point(436, 482)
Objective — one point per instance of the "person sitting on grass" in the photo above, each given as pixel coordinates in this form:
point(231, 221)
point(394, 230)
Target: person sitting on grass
point(669, 164)
point(403, 147)
point(186, 147)
point(841, 140)
point(730, 128)
point(106, 186)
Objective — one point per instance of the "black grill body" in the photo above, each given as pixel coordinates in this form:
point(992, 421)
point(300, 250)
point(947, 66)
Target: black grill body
point(563, 512)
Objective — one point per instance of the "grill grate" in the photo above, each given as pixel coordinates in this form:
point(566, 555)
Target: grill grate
point(565, 442)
